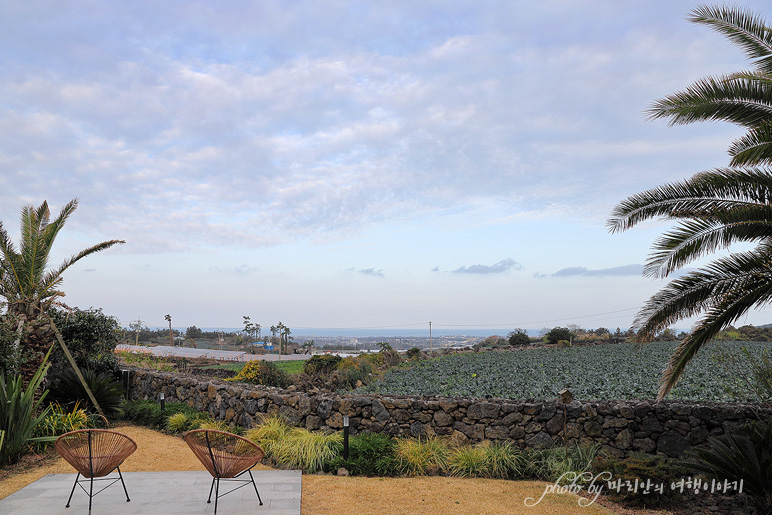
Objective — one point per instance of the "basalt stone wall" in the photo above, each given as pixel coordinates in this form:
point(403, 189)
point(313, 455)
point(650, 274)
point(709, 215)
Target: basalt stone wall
point(620, 427)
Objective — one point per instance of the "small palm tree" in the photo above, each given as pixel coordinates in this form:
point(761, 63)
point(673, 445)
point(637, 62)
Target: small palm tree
point(714, 209)
point(27, 287)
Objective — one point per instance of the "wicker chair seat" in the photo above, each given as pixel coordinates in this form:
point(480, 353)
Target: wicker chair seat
point(230, 454)
point(107, 450)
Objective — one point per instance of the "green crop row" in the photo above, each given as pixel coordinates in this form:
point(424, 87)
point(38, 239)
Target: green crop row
point(612, 371)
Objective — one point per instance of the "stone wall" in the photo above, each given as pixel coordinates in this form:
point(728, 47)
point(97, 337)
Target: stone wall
point(620, 427)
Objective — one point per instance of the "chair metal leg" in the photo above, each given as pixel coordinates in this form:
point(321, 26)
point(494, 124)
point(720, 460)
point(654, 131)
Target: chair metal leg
point(211, 488)
point(253, 484)
point(73, 490)
point(90, 493)
point(124, 484)
point(216, 495)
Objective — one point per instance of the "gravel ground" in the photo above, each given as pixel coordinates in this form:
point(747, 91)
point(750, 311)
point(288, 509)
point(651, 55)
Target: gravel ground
point(325, 494)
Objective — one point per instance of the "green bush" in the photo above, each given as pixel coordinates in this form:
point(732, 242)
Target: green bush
point(353, 370)
point(60, 421)
point(370, 454)
point(262, 372)
point(552, 463)
point(644, 467)
point(413, 353)
point(11, 356)
point(744, 454)
point(91, 337)
point(67, 390)
point(149, 414)
point(20, 414)
point(321, 364)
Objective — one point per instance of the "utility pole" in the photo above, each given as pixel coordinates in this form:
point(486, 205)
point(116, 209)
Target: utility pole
point(430, 336)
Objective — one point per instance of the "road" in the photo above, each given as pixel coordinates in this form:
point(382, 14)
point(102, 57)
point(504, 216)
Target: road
point(222, 355)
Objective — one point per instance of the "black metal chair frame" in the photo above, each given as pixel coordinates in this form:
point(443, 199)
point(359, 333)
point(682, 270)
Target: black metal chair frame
point(91, 480)
point(216, 480)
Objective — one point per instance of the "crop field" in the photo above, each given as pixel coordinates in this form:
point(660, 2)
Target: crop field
point(612, 371)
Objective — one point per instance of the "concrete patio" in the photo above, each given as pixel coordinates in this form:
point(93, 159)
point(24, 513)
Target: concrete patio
point(160, 493)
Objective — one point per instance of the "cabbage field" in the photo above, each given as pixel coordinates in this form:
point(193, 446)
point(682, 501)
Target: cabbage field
point(612, 371)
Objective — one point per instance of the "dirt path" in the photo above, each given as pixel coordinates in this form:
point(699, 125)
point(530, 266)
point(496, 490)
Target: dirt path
point(337, 495)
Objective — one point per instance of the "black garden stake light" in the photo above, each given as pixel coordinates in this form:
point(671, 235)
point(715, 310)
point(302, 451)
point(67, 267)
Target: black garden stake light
point(345, 437)
point(162, 400)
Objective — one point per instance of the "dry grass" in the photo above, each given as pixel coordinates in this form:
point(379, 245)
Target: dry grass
point(331, 494)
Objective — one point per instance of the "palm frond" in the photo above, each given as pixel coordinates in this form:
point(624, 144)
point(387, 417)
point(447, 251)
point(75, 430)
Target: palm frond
point(699, 236)
point(755, 147)
point(745, 29)
point(703, 289)
point(704, 193)
point(742, 100)
point(754, 290)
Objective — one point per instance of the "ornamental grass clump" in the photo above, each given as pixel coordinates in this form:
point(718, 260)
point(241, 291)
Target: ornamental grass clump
point(422, 456)
point(272, 429)
point(469, 461)
point(307, 450)
point(554, 463)
point(504, 460)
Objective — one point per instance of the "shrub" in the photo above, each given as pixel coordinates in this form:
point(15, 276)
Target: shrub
point(60, 421)
point(391, 358)
point(91, 337)
point(744, 454)
point(519, 338)
point(352, 371)
point(20, 414)
point(414, 353)
point(11, 356)
point(552, 463)
point(416, 456)
point(146, 360)
point(558, 333)
point(66, 389)
point(149, 413)
point(370, 454)
point(262, 372)
point(644, 467)
point(322, 364)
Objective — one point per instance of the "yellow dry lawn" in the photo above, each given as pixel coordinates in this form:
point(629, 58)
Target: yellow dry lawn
point(340, 495)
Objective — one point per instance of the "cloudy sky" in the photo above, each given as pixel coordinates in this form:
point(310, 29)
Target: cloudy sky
point(353, 164)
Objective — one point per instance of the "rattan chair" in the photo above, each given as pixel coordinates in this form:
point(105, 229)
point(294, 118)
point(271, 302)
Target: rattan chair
point(226, 457)
point(95, 453)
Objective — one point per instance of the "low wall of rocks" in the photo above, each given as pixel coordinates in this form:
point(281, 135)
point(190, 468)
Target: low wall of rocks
point(620, 427)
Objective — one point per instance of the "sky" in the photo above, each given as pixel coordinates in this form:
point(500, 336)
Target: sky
point(334, 164)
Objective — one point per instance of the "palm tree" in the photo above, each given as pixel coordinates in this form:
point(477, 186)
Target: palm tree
point(716, 208)
point(28, 289)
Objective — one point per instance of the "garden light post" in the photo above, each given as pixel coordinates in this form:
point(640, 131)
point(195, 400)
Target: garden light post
point(162, 400)
point(345, 437)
